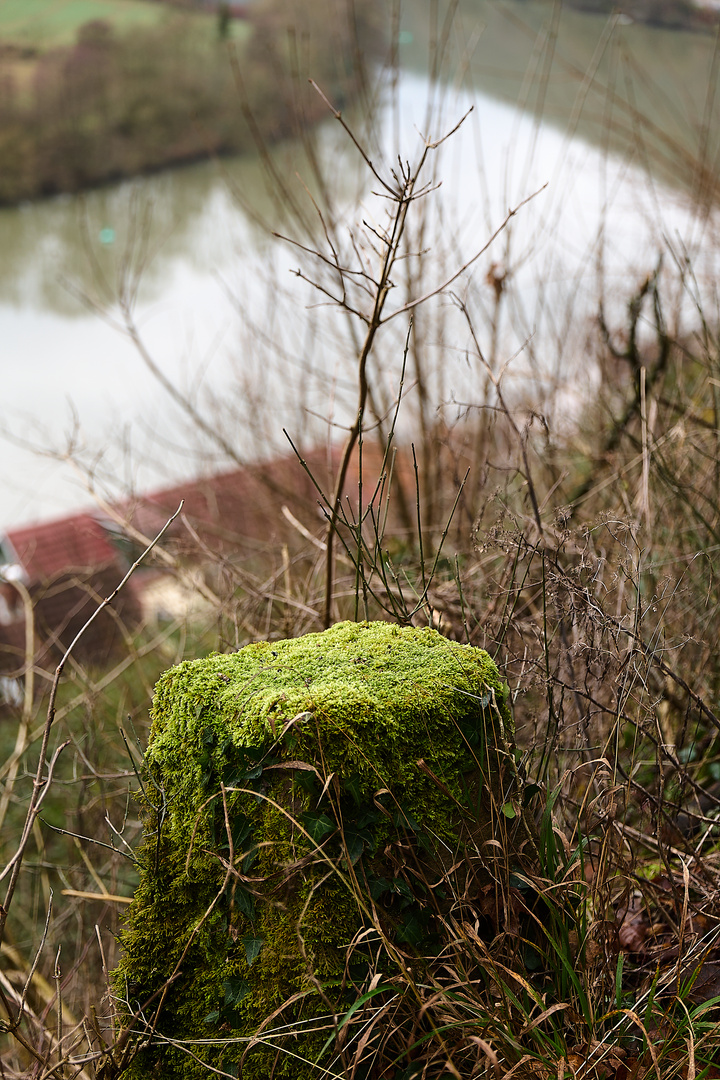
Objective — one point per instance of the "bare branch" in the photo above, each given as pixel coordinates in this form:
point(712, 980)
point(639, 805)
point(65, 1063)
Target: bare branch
point(42, 782)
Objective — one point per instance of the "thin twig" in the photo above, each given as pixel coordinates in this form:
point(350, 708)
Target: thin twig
point(41, 783)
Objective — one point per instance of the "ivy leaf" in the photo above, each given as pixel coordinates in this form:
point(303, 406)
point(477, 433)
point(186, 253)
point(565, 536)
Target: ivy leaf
point(353, 787)
point(253, 945)
point(403, 819)
point(306, 781)
point(377, 886)
point(235, 990)
point(247, 765)
point(413, 930)
point(317, 825)
point(402, 889)
point(371, 816)
point(355, 845)
point(241, 830)
point(529, 791)
point(250, 859)
point(245, 902)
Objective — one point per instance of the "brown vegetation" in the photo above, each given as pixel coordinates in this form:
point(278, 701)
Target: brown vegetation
point(581, 556)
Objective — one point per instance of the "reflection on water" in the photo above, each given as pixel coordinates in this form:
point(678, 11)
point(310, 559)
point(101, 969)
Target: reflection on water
point(185, 215)
point(224, 319)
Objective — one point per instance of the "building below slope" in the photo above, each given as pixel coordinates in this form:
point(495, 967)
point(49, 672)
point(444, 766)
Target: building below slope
point(229, 523)
point(62, 569)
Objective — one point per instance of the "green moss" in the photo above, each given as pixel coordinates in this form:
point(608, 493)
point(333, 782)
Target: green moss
point(349, 766)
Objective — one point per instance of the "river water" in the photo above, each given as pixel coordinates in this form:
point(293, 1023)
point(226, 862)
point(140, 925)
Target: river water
point(222, 316)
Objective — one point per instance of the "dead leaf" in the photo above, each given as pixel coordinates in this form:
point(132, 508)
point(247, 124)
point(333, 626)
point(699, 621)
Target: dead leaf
point(593, 950)
point(633, 925)
point(632, 935)
point(488, 906)
point(576, 1063)
point(707, 983)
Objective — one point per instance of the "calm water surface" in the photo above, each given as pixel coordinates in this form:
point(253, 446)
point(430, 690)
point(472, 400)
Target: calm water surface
point(222, 316)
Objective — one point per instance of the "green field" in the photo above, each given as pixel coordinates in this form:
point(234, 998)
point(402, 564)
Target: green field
point(41, 24)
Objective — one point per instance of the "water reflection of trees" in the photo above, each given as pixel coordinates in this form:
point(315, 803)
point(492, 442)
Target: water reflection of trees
point(628, 88)
point(513, 52)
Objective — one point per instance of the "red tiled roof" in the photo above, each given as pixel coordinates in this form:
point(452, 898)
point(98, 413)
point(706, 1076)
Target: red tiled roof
point(54, 547)
point(238, 511)
point(243, 505)
point(233, 512)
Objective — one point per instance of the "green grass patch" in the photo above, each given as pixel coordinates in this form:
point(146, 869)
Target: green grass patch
point(41, 24)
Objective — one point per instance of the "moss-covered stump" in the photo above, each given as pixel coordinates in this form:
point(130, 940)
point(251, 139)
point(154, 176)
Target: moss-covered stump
point(309, 804)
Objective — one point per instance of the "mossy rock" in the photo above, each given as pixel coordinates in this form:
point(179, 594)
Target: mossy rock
point(305, 802)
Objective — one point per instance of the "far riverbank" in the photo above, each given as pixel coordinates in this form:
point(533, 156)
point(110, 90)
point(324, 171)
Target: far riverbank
point(120, 102)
